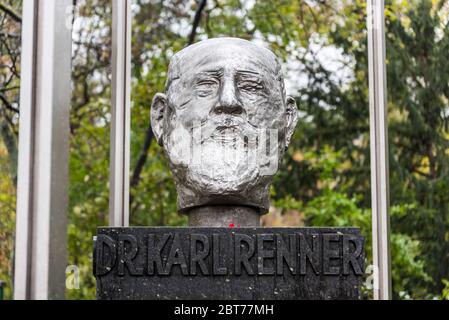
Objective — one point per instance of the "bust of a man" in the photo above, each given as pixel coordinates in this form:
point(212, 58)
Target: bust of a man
point(224, 122)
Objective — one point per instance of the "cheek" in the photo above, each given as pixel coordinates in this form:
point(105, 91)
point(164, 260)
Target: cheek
point(267, 113)
point(197, 110)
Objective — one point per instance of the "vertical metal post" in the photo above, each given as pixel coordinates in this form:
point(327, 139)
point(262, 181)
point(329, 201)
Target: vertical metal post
point(121, 114)
point(379, 148)
point(41, 223)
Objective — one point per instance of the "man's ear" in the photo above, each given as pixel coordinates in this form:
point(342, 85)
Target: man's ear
point(292, 119)
point(157, 116)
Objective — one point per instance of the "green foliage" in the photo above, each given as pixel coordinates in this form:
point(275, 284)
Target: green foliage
point(333, 208)
point(7, 221)
point(445, 293)
point(9, 104)
point(418, 42)
point(408, 267)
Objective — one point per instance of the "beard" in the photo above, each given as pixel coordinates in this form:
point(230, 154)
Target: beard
point(221, 156)
point(227, 165)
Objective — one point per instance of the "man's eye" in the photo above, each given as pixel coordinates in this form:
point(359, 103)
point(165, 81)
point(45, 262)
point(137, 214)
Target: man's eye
point(205, 88)
point(206, 83)
point(250, 86)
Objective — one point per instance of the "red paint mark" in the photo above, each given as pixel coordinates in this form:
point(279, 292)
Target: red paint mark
point(231, 225)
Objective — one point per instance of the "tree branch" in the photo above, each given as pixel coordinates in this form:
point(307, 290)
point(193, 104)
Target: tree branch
point(9, 11)
point(7, 104)
point(196, 21)
point(141, 161)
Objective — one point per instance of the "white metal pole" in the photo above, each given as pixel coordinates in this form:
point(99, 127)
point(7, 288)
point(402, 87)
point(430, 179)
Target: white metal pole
point(41, 223)
point(121, 114)
point(379, 149)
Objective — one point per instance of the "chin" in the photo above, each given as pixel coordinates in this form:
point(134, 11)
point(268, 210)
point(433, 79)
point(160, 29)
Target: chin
point(224, 168)
point(214, 180)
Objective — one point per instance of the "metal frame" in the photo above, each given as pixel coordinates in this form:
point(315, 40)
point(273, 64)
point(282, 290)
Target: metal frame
point(120, 113)
point(41, 223)
point(379, 149)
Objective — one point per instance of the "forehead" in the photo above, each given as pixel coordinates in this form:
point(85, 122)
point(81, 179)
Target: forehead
point(220, 54)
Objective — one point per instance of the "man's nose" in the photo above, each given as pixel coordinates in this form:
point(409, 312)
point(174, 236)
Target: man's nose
point(229, 102)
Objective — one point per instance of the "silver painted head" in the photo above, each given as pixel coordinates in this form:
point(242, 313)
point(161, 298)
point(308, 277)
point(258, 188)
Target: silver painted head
point(224, 122)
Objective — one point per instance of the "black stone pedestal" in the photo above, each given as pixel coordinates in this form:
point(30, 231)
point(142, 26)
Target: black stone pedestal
point(228, 263)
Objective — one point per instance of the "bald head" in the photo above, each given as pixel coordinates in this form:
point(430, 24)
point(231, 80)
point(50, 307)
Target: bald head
point(221, 52)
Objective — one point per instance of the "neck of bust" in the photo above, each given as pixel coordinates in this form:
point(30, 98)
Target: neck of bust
point(227, 216)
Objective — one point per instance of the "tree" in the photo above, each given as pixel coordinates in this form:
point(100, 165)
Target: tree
point(418, 74)
point(10, 22)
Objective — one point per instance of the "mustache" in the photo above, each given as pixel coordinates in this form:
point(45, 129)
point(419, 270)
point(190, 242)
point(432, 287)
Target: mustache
point(231, 126)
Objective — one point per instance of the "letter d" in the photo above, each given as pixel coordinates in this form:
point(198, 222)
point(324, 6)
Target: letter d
point(105, 255)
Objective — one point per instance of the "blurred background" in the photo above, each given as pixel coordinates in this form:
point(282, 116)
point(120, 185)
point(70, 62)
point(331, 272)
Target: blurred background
point(325, 176)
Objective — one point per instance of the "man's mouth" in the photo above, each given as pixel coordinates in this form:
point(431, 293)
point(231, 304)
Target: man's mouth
point(227, 133)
